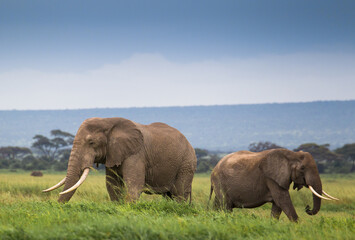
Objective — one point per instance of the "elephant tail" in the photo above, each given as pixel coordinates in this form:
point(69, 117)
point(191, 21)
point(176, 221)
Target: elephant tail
point(190, 198)
point(211, 191)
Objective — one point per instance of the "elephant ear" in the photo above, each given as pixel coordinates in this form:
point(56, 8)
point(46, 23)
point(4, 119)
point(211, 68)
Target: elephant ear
point(275, 166)
point(124, 140)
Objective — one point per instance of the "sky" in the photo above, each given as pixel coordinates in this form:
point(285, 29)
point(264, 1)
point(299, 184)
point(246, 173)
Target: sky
point(108, 54)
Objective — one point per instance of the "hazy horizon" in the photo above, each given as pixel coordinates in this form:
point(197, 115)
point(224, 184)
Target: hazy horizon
point(175, 106)
point(210, 127)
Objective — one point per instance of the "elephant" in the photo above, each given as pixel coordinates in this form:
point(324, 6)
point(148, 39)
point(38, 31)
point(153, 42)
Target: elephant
point(154, 158)
point(247, 179)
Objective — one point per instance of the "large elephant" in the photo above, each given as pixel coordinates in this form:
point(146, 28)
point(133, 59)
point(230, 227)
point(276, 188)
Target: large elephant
point(246, 180)
point(136, 156)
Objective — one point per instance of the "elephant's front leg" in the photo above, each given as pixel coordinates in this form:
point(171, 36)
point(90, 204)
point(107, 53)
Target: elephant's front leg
point(133, 171)
point(275, 211)
point(282, 200)
point(114, 183)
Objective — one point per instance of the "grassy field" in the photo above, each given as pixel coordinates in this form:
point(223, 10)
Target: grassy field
point(26, 213)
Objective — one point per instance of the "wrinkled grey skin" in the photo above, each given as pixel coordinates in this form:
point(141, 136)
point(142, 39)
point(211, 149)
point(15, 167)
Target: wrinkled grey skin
point(136, 156)
point(246, 180)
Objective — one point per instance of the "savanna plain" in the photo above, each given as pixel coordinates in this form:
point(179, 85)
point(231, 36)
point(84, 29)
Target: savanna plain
point(27, 213)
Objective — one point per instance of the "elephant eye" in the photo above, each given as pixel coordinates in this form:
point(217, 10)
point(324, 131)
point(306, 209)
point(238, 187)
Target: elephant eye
point(91, 142)
point(303, 167)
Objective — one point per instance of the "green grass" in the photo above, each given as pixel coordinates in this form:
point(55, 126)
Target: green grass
point(26, 213)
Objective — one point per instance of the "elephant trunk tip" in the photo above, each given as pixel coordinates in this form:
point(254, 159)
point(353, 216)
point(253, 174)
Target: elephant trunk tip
point(310, 211)
point(316, 200)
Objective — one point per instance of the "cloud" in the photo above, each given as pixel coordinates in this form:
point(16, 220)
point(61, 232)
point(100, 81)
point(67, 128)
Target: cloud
point(152, 80)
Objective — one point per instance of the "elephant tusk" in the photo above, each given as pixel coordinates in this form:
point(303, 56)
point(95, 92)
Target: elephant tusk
point(317, 194)
point(329, 196)
point(81, 180)
point(55, 186)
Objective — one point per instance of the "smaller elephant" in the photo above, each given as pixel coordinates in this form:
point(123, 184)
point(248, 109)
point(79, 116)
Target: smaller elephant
point(247, 180)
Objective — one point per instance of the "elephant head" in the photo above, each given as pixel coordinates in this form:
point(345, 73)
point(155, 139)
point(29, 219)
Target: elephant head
point(99, 140)
point(284, 166)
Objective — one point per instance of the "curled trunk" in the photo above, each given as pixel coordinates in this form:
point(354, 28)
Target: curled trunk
point(316, 183)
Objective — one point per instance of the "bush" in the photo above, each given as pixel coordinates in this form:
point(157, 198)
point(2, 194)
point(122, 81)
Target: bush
point(37, 174)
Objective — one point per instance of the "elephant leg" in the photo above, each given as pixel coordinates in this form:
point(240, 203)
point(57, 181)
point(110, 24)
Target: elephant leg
point(222, 201)
point(168, 195)
point(275, 211)
point(114, 183)
point(177, 191)
point(227, 203)
point(182, 187)
point(282, 199)
point(223, 204)
point(217, 203)
point(218, 199)
point(188, 188)
point(133, 171)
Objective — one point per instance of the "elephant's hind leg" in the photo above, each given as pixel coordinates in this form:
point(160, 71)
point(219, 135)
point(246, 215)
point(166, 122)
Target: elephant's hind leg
point(182, 187)
point(114, 184)
point(177, 191)
point(222, 204)
point(218, 199)
point(221, 201)
point(217, 203)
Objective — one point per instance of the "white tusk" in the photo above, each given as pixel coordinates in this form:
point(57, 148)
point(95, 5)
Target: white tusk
point(326, 194)
point(55, 186)
point(318, 195)
point(81, 180)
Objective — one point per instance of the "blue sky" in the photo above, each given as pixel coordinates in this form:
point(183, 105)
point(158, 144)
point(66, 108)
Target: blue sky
point(168, 53)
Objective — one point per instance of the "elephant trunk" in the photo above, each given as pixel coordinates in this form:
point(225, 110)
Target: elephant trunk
point(75, 170)
point(315, 182)
point(73, 175)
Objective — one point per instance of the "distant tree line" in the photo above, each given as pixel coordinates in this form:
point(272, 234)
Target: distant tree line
point(45, 153)
point(52, 153)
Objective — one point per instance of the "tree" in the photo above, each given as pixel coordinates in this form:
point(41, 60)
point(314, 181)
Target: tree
point(262, 146)
point(44, 145)
point(5, 163)
point(200, 152)
point(53, 148)
point(325, 158)
point(205, 160)
point(203, 166)
point(12, 153)
point(62, 164)
point(67, 137)
point(319, 152)
point(32, 163)
point(348, 151)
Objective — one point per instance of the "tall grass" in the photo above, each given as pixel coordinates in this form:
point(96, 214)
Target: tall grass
point(26, 213)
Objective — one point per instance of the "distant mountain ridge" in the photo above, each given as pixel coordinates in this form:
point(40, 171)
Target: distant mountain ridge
point(225, 127)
